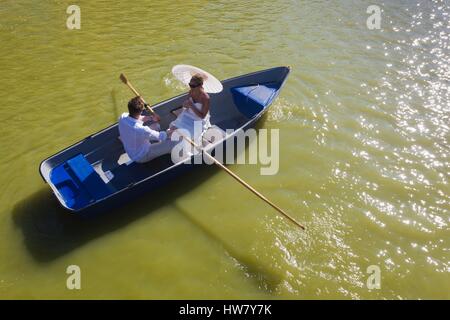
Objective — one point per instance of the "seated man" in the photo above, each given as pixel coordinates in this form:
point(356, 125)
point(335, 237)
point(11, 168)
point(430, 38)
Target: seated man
point(136, 137)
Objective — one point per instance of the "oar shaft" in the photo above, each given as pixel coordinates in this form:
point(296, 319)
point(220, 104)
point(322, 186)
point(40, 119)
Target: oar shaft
point(125, 80)
point(133, 89)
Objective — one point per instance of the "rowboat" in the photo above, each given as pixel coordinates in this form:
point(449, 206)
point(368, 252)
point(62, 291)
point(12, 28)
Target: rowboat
point(96, 175)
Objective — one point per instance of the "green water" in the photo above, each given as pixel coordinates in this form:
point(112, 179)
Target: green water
point(364, 155)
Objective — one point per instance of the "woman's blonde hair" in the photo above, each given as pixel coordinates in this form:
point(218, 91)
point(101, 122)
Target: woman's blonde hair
point(197, 78)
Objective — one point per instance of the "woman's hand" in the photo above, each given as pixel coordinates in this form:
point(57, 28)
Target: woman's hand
point(187, 104)
point(154, 118)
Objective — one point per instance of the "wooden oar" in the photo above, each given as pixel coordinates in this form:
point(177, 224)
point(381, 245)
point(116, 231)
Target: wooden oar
point(218, 163)
point(245, 184)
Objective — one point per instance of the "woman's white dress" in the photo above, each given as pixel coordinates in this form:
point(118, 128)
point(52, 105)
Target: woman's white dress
point(189, 120)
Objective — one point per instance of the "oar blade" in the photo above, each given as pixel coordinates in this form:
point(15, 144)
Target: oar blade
point(123, 78)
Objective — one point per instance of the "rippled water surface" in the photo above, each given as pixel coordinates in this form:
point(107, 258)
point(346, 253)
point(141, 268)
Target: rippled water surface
point(364, 129)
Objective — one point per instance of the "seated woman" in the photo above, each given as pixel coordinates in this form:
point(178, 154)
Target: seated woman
point(195, 110)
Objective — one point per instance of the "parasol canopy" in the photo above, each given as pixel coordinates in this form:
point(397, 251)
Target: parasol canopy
point(184, 73)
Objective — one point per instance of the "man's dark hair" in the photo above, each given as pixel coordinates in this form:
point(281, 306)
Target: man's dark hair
point(135, 106)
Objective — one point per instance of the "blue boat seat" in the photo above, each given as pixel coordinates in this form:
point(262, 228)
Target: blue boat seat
point(250, 100)
point(66, 186)
point(78, 183)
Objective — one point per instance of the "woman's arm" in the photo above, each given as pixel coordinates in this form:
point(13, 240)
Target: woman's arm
point(186, 103)
point(153, 117)
point(205, 108)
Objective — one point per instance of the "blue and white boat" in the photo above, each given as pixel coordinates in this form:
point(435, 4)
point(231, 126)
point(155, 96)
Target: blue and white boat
point(95, 174)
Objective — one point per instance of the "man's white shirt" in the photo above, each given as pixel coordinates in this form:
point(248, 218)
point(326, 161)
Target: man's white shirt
point(136, 137)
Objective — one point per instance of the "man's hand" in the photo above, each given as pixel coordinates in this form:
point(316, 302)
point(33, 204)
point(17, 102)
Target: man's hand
point(169, 132)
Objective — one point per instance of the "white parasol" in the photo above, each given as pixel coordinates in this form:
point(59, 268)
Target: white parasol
point(184, 73)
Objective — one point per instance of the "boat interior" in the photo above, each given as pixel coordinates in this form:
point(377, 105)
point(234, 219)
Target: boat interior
point(98, 166)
